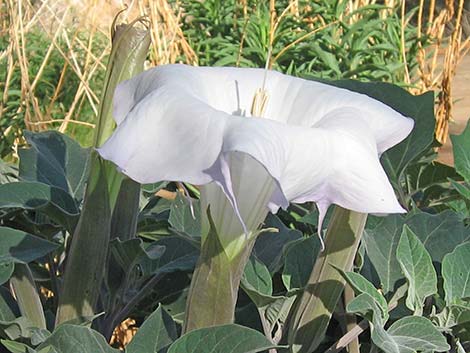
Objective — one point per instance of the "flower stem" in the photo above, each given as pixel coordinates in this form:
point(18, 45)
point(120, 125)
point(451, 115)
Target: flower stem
point(314, 307)
point(214, 286)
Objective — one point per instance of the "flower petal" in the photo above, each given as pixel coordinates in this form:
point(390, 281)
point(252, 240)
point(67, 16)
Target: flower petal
point(292, 100)
point(321, 143)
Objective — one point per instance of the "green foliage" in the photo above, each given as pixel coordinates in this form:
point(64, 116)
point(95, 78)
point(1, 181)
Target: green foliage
point(20, 247)
point(56, 160)
point(222, 339)
point(360, 45)
point(155, 334)
point(76, 339)
point(416, 265)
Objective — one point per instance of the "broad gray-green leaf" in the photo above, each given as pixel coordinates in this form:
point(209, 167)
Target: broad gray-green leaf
point(21, 247)
point(381, 245)
point(410, 335)
point(456, 317)
point(256, 282)
point(461, 146)
point(6, 269)
point(456, 273)
point(17, 347)
point(56, 160)
point(8, 172)
point(52, 201)
point(269, 245)
point(8, 306)
point(222, 339)
point(299, 260)
point(130, 253)
point(179, 255)
point(18, 328)
point(77, 339)
point(416, 264)
point(155, 335)
point(361, 285)
point(366, 306)
point(181, 217)
point(422, 176)
point(126, 211)
point(278, 311)
point(462, 189)
point(439, 233)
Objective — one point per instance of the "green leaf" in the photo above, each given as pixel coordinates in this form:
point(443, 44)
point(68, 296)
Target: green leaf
point(256, 282)
point(269, 245)
point(416, 264)
point(440, 233)
point(155, 335)
point(6, 269)
point(21, 327)
point(8, 306)
point(126, 211)
point(77, 339)
point(456, 273)
point(8, 173)
point(132, 253)
point(454, 315)
point(461, 146)
point(52, 201)
point(17, 347)
point(222, 339)
point(181, 218)
point(56, 160)
point(422, 176)
point(367, 306)
point(179, 255)
point(410, 335)
point(381, 244)
point(461, 188)
point(20, 247)
point(361, 285)
point(277, 312)
point(299, 260)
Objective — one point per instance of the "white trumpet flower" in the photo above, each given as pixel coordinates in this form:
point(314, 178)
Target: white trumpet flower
point(315, 142)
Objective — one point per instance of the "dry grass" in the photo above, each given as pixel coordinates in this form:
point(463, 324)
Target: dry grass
point(76, 30)
point(438, 62)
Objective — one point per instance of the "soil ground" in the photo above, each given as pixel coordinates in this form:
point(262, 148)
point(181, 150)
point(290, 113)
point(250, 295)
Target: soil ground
point(461, 113)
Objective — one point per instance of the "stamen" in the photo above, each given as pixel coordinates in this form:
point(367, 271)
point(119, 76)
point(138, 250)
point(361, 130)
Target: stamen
point(260, 99)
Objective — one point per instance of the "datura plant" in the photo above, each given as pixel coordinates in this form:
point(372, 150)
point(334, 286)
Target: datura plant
point(253, 140)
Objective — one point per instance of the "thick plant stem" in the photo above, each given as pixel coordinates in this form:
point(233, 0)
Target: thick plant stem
point(214, 286)
point(86, 259)
point(27, 296)
point(314, 307)
point(87, 255)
